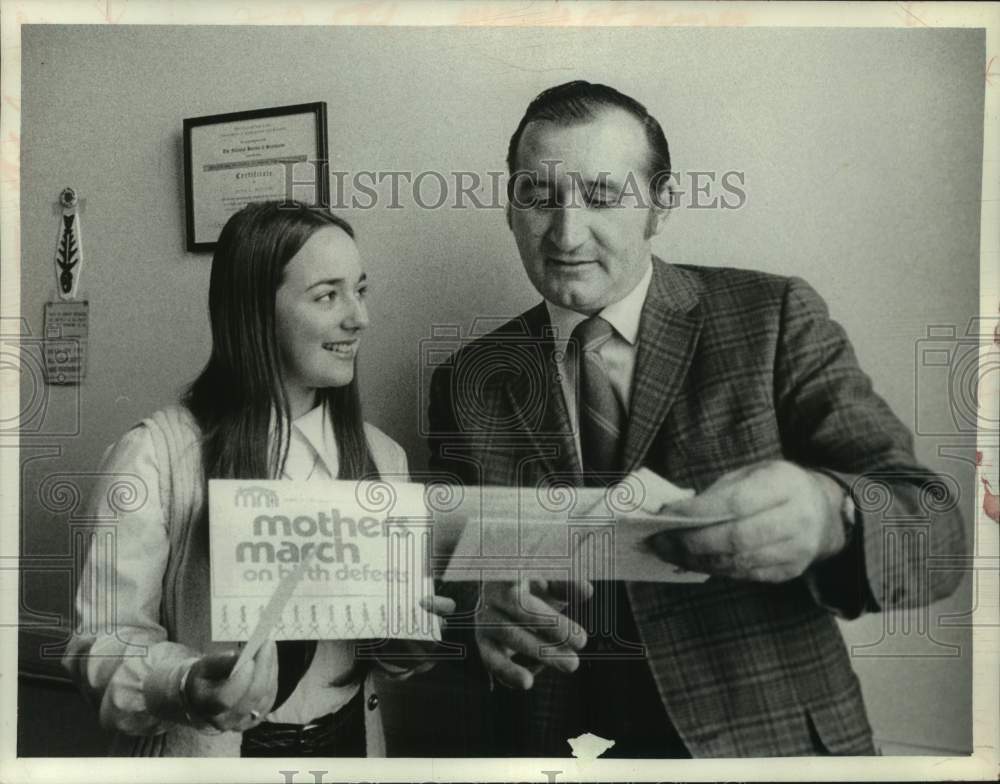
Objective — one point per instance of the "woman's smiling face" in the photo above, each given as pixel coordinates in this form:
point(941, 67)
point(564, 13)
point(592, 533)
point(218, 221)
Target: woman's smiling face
point(320, 313)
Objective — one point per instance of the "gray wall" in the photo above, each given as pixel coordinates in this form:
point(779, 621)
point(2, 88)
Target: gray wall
point(861, 151)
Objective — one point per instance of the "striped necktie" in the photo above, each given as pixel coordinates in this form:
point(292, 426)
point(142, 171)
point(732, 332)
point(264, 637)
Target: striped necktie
point(602, 421)
point(601, 415)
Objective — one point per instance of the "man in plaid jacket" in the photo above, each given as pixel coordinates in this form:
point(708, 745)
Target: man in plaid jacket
point(731, 383)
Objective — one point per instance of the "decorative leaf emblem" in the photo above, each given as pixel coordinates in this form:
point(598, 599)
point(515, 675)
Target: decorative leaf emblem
point(66, 256)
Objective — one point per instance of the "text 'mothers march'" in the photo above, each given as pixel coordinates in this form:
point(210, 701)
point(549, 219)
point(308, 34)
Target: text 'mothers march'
point(366, 548)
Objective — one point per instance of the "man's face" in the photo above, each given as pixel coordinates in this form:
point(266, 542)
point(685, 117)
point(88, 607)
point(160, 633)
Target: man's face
point(581, 213)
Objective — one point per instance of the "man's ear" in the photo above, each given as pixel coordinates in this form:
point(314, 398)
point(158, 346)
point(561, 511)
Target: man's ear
point(656, 220)
point(659, 209)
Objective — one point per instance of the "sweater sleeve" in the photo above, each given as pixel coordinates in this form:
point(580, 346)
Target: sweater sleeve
point(120, 656)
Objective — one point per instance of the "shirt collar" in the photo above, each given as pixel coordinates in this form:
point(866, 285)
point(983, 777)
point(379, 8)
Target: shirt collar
point(623, 315)
point(314, 428)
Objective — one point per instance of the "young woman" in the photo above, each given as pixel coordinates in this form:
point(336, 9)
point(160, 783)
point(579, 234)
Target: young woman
point(277, 399)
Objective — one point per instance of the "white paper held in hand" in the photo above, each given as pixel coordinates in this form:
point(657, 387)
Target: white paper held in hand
point(658, 494)
point(272, 613)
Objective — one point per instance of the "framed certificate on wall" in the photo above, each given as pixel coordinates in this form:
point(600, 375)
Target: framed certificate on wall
point(233, 159)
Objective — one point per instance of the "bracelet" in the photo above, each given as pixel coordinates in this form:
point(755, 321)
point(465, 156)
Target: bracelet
point(202, 725)
point(182, 697)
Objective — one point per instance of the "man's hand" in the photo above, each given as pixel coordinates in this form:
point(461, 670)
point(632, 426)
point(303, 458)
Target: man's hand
point(215, 695)
point(786, 519)
point(525, 620)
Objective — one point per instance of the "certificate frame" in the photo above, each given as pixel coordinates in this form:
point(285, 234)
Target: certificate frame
point(235, 158)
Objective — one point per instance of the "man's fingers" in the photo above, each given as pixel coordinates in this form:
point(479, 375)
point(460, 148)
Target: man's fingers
point(736, 548)
point(534, 613)
point(531, 665)
point(667, 547)
point(778, 562)
point(752, 532)
point(754, 488)
point(497, 660)
point(553, 644)
point(553, 653)
point(778, 573)
point(573, 592)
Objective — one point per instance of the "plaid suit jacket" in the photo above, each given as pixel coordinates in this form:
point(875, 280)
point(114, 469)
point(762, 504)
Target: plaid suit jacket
point(732, 367)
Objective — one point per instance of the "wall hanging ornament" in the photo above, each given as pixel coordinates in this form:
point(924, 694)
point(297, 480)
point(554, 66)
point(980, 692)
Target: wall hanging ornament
point(69, 250)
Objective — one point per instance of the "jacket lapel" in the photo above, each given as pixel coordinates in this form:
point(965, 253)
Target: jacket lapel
point(668, 334)
point(537, 403)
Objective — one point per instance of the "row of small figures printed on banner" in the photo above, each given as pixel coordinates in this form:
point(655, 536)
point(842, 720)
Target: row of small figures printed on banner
point(311, 629)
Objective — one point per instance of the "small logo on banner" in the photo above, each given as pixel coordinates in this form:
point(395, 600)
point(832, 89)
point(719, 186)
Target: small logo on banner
point(256, 497)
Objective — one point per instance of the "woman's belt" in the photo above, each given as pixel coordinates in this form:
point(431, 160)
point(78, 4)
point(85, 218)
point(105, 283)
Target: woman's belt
point(339, 734)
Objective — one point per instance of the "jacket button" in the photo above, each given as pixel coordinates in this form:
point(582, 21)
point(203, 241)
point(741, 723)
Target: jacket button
point(372, 702)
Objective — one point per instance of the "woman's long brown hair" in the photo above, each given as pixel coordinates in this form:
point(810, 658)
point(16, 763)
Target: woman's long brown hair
point(234, 396)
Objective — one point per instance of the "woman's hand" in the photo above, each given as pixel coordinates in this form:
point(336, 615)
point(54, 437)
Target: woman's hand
point(441, 606)
point(214, 695)
point(403, 658)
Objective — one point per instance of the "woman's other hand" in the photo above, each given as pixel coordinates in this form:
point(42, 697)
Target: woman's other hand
point(215, 695)
point(402, 658)
point(442, 606)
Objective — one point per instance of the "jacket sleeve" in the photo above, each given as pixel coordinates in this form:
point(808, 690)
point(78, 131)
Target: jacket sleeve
point(445, 438)
point(832, 421)
point(398, 659)
point(447, 444)
point(119, 655)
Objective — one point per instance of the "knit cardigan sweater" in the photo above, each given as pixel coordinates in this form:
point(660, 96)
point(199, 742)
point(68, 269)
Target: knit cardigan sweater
point(184, 602)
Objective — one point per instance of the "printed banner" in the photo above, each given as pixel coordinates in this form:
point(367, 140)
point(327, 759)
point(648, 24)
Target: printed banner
point(368, 546)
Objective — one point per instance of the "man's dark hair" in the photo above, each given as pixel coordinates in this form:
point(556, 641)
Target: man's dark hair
point(579, 101)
